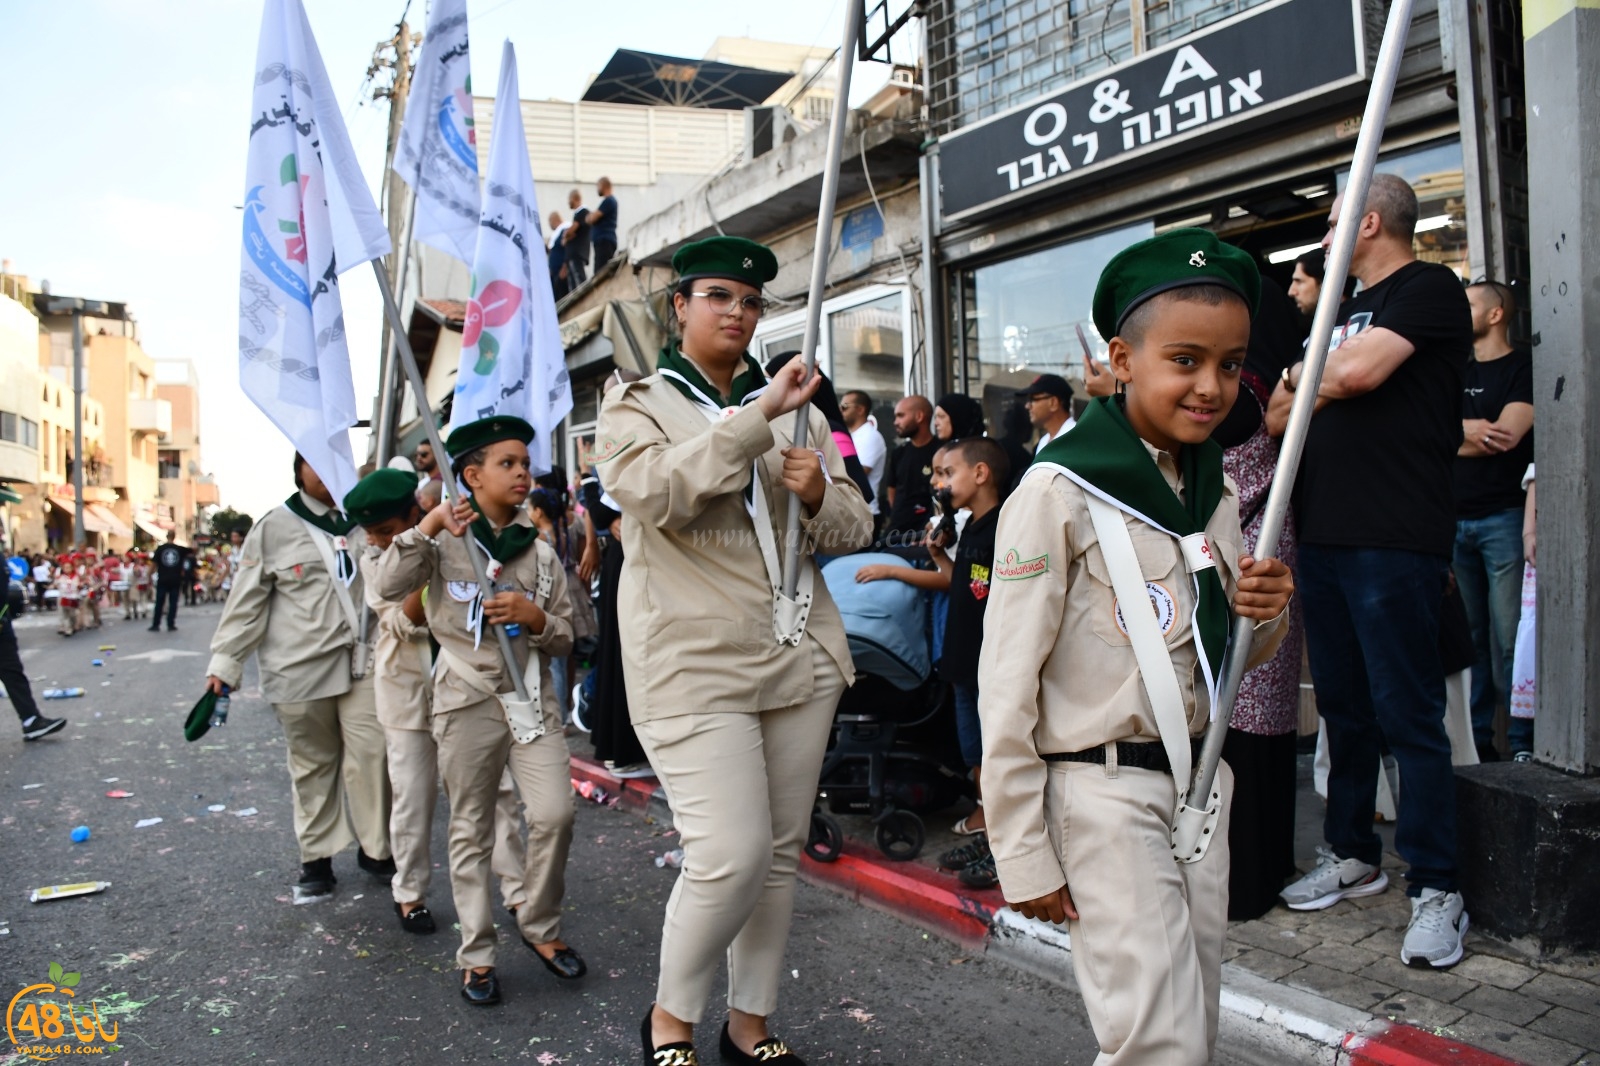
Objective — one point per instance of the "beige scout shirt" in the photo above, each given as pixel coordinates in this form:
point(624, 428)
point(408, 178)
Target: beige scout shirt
point(284, 608)
point(442, 564)
point(1060, 674)
point(402, 661)
point(694, 602)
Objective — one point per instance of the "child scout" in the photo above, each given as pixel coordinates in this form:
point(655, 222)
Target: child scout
point(478, 723)
point(1115, 562)
point(384, 504)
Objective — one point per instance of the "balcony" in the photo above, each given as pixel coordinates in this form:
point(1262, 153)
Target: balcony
point(150, 416)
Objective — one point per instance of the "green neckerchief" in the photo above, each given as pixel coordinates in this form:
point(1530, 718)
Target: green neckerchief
point(745, 382)
point(506, 545)
point(333, 523)
point(1105, 454)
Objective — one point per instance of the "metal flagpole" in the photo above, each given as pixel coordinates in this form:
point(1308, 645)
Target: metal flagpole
point(819, 269)
point(388, 381)
point(408, 361)
point(1352, 210)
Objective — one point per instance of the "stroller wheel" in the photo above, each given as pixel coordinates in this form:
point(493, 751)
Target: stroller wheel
point(900, 835)
point(826, 842)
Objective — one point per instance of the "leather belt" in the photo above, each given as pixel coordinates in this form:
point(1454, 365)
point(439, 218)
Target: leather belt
point(1138, 756)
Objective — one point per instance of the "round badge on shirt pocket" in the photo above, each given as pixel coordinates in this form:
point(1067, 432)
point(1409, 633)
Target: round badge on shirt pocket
point(461, 591)
point(1166, 609)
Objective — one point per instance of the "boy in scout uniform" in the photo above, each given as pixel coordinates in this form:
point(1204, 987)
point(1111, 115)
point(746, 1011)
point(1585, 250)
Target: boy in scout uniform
point(295, 605)
point(478, 723)
point(1093, 706)
point(385, 505)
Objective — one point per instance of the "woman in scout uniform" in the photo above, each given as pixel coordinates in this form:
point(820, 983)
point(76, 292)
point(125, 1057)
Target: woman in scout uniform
point(295, 607)
point(476, 729)
point(1092, 710)
point(731, 686)
point(385, 504)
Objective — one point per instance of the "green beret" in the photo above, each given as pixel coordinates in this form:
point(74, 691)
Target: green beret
point(486, 431)
point(385, 493)
point(726, 257)
point(1176, 259)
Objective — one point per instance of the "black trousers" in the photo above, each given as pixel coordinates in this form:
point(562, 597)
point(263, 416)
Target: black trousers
point(603, 251)
point(167, 592)
point(613, 734)
point(11, 675)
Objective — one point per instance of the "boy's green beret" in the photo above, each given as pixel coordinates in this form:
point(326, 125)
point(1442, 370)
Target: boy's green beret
point(1176, 259)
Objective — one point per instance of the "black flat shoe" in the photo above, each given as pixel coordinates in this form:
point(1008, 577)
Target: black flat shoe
point(481, 989)
point(316, 882)
point(678, 1054)
point(418, 921)
point(382, 869)
point(565, 964)
point(769, 1050)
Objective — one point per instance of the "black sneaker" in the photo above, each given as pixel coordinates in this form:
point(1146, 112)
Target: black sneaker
point(959, 858)
point(382, 869)
point(980, 874)
point(316, 882)
point(39, 726)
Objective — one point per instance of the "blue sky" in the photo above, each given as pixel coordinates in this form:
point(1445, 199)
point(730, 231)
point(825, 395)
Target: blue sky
point(125, 127)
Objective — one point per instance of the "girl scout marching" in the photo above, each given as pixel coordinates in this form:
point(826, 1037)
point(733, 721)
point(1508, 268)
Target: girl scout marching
point(1118, 563)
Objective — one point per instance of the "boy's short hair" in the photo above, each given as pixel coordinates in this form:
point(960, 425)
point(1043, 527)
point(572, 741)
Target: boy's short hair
point(1138, 320)
point(975, 450)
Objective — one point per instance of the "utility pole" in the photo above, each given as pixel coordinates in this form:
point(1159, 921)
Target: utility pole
point(77, 308)
point(396, 194)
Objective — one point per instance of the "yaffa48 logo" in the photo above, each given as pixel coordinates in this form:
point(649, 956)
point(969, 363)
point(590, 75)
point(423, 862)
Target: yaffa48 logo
point(44, 1020)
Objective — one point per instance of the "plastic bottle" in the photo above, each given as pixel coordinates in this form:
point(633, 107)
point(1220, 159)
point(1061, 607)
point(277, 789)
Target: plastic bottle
point(673, 858)
point(61, 693)
point(513, 630)
point(219, 710)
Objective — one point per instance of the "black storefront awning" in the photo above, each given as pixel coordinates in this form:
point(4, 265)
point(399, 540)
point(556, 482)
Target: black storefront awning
point(646, 78)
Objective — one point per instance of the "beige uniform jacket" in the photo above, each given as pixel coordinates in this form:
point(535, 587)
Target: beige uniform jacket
point(694, 602)
point(285, 609)
point(1058, 673)
point(402, 661)
point(442, 564)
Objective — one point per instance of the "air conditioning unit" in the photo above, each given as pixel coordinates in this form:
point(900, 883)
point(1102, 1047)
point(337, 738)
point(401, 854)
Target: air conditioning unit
point(767, 127)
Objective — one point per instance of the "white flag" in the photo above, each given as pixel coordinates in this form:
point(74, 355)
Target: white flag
point(512, 362)
point(438, 151)
point(308, 216)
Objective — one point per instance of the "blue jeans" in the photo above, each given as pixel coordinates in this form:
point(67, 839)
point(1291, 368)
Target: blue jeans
point(1372, 630)
point(968, 730)
point(1488, 567)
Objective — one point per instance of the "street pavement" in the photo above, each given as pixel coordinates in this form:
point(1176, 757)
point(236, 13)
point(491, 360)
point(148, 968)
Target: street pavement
point(197, 955)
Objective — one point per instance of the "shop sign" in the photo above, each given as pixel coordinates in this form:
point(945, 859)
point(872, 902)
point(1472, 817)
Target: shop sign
point(1195, 90)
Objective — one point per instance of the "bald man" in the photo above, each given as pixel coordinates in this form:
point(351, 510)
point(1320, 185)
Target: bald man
point(911, 471)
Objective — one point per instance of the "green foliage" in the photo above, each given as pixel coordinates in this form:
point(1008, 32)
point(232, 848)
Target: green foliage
point(225, 521)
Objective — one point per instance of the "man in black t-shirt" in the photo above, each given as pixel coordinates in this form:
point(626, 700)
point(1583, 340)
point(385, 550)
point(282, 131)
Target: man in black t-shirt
point(172, 561)
point(911, 472)
point(603, 221)
point(577, 241)
point(1496, 448)
point(1375, 516)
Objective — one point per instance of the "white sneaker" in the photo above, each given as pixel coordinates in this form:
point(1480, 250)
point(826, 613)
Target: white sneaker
point(580, 707)
point(630, 770)
point(1438, 927)
point(1334, 879)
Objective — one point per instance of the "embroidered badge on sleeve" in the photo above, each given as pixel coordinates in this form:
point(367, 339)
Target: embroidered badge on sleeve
point(610, 448)
point(1012, 567)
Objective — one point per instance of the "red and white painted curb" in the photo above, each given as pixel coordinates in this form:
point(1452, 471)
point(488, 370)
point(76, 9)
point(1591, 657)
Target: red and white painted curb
point(1301, 1025)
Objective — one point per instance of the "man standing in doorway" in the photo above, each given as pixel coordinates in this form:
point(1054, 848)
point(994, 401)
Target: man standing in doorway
point(856, 407)
point(603, 223)
point(1497, 446)
point(171, 567)
point(910, 483)
point(1049, 400)
point(1377, 523)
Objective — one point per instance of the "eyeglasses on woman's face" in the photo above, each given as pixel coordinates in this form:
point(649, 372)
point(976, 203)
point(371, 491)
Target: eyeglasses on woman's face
point(723, 302)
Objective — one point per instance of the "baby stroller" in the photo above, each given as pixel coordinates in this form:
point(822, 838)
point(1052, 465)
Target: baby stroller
point(870, 769)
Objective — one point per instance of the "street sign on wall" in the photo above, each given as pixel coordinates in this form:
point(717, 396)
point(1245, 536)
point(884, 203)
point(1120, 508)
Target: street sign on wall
point(1190, 92)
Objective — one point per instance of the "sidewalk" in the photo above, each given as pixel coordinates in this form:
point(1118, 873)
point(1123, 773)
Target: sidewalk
point(1314, 987)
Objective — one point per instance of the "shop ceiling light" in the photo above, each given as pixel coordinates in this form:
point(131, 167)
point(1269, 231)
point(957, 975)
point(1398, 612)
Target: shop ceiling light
point(1432, 222)
point(1284, 255)
point(1312, 192)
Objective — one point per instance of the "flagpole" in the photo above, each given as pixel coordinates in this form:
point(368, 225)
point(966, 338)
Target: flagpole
point(388, 383)
point(408, 361)
point(1362, 164)
point(819, 269)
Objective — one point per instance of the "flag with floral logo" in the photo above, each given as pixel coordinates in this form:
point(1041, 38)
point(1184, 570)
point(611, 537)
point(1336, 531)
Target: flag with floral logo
point(512, 361)
point(438, 151)
point(308, 217)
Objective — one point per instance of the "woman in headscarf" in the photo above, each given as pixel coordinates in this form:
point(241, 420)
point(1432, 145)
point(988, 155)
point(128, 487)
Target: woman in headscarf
point(957, 417)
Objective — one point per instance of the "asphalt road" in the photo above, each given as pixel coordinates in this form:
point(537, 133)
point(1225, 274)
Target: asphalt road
point(198, 956)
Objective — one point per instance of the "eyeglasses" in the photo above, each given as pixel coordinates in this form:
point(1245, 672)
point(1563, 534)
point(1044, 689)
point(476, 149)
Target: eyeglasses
point(1039, 398)
point(722, 302)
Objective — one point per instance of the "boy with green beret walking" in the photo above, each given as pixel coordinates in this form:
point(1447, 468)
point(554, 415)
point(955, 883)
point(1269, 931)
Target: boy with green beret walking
point(1116, 561)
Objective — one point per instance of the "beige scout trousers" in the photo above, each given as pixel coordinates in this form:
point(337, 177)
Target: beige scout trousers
point(475, 746)
point(741, 788)
point(414, 774)
point(1147, 947)
point(336, 762)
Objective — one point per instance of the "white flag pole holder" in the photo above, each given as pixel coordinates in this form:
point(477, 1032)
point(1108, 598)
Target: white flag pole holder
point(819, 270)
point(408, 362)
point(1362, 164)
